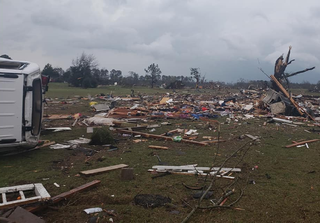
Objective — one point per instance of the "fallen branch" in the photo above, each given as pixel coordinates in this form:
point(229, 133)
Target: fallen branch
point(211, 184)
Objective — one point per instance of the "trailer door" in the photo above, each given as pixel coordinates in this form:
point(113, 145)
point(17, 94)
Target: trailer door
point(11, 103)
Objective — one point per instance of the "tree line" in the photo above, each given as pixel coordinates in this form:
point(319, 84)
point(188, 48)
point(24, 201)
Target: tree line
point(84, 72)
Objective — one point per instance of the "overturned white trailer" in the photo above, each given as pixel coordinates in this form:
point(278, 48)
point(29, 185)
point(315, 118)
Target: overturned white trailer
point(20, 105)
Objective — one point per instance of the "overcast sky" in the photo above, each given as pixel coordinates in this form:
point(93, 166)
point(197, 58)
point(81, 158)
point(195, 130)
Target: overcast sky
point(225, 39)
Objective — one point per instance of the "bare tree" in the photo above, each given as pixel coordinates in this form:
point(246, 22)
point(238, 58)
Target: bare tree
point(280, 67)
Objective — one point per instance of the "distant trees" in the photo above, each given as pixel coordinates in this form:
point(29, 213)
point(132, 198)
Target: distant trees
point(115, 76)
point(153, 73)
point(81, 71)
point(131, 80)
point(54, 74)
point(195, 73)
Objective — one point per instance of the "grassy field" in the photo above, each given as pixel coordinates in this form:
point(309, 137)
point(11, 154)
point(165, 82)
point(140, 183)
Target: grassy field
point(280, 184)
point(61, 90)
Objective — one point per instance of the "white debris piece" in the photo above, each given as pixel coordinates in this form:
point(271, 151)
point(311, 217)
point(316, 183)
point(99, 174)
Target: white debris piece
point(92, 210)
point(59, 129)
point(60, 146)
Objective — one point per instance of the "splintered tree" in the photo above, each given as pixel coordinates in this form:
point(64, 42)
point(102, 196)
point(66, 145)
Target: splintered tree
point(153, 73)
point(195, 73)
point(279, 76)
point(280, 67)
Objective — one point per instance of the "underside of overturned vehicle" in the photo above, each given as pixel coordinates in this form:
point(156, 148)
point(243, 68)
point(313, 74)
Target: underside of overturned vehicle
point(20, 105)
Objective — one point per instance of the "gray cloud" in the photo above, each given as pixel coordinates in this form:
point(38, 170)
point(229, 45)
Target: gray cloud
point(224, 39)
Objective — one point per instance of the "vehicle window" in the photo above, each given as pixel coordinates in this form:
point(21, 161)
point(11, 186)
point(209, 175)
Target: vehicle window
point(36, 107)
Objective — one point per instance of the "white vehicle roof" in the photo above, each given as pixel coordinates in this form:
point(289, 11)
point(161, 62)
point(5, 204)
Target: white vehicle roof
point(17, 66)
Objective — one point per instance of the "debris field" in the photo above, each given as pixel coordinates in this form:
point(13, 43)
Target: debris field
point(170, 157)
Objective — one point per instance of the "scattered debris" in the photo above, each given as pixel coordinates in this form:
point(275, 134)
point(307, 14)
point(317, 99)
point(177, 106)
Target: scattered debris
point(63, 196)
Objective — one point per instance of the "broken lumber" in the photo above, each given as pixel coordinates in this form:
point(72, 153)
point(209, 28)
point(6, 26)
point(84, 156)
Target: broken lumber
point(103, 169)
point(38, 189)
point(301, 143)
point(64, 196)
point(157, 147)
point(191, 167)
point(200, 174)
point(147, 135)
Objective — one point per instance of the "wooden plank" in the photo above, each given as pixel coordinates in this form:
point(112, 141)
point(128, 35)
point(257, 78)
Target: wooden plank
point(4, 198)
point(65, 195)
point(157, 147)
point(103, 169)
point(11, 204)
point(301, 143)
point(40, 190)
point(22, 195)
point(17, 188)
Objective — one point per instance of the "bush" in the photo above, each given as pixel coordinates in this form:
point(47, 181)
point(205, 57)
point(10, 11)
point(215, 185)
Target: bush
point(101, 136)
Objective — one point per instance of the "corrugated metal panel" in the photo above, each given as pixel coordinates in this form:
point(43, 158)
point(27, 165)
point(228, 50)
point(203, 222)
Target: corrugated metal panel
point(11, 96)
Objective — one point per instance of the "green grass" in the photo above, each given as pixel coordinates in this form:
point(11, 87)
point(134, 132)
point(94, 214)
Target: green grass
point(292, 194)
point(62, 91)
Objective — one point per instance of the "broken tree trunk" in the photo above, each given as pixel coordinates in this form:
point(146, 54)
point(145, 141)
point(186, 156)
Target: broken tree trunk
point(299, 109)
